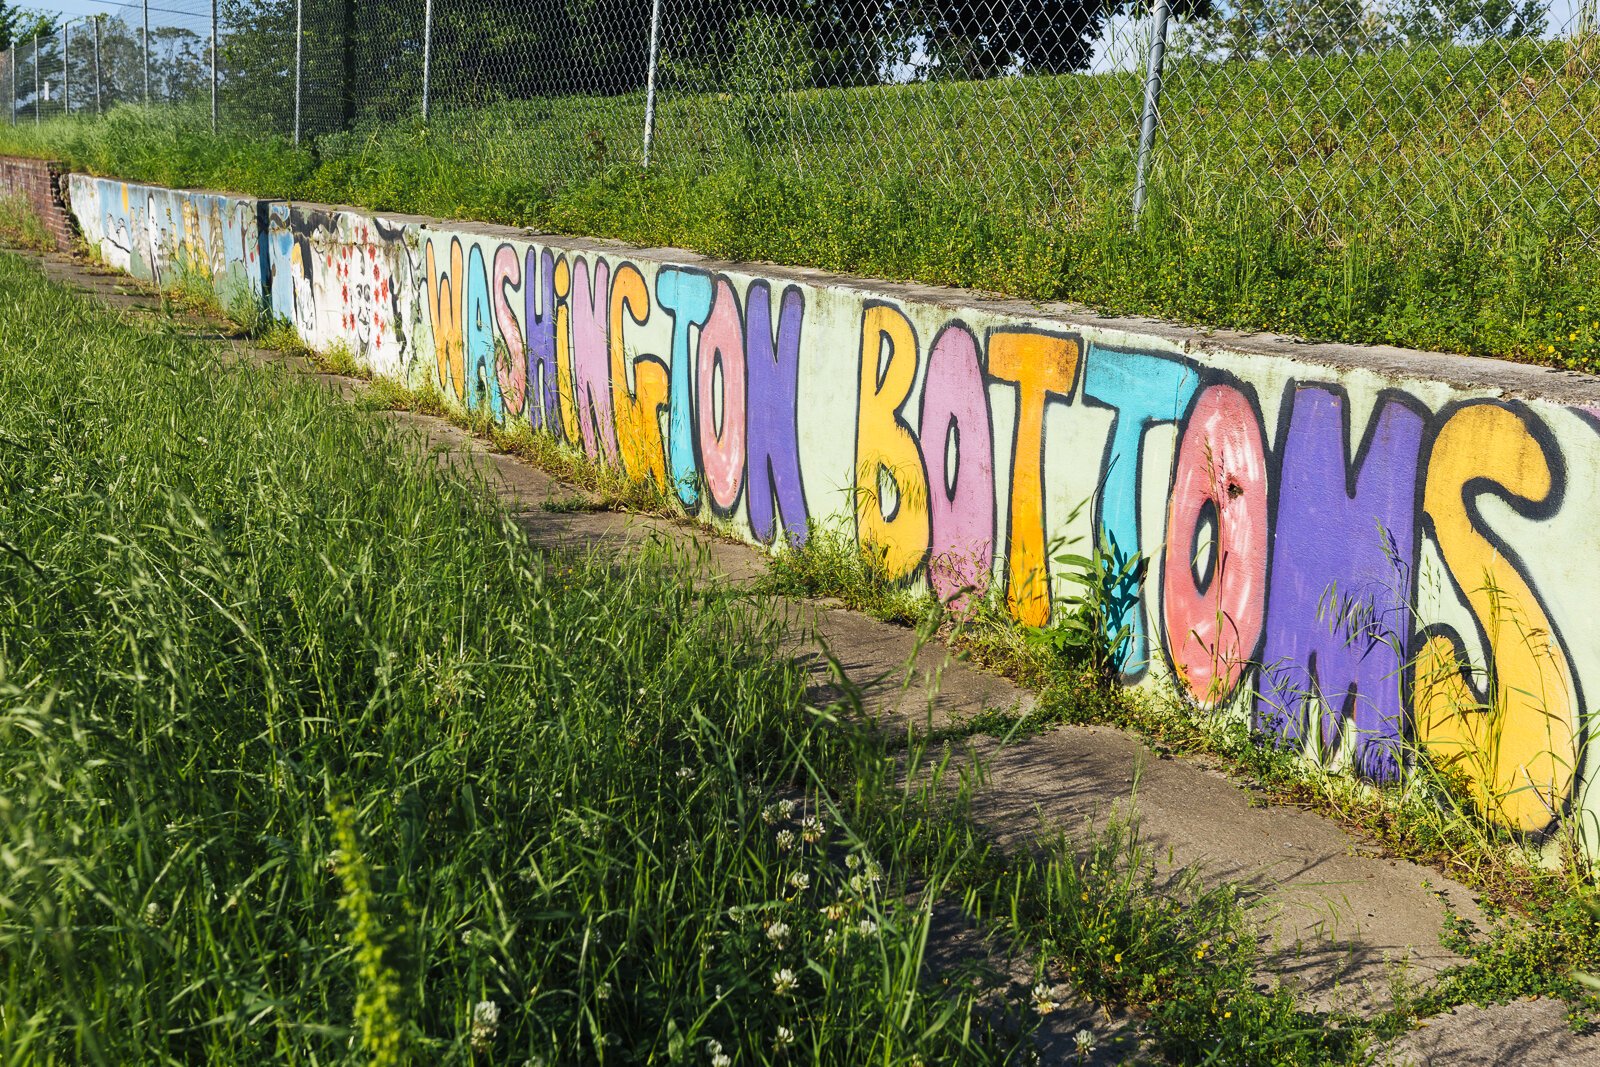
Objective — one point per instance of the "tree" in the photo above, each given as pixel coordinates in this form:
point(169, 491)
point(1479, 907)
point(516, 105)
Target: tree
point(1266, 29)
point(19, 24)
point(982, 39)
point(362, 58)
point(1441, 21)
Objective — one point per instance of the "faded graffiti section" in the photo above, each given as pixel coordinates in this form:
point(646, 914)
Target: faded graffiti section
point(171, 237)
point(1361, 565)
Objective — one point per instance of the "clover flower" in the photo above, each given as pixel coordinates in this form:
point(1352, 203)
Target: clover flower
point(485, 1024)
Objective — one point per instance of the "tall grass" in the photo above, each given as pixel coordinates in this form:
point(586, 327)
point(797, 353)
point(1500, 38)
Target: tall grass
point(1397, 198)
point(306, 757)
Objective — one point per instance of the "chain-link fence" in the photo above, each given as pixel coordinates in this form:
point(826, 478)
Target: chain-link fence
point(1337, 114)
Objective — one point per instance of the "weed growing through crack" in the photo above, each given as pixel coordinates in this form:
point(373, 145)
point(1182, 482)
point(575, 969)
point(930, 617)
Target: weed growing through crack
point(830, 562)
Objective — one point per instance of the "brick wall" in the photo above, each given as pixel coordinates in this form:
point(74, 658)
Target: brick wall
point(40, 182)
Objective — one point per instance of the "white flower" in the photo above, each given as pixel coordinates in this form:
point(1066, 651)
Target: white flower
point(721, 1060)
point(858, 883)
point(835, 912)
point(852, 861)
point(1084, 1039)
point(769, 814)
point(811, 829)
point(154, 913)
point(800, 880)
point(686, 774)
point(786, 808)
point(873, 871)
point(784, 1038)
point(602, 991)
point(778, 933)
point(485, 1024)
point(867, 927)
point(784, 981)
point(785, 840)
point(1044, 1003)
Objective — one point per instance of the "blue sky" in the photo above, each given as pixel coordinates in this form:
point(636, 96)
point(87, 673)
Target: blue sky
point(161, 11)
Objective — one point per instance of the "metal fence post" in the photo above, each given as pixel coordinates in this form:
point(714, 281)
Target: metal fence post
point(36, 90)
point(298, 39)
point(66, 68)
point(427, 53)
point(650, 80)
point(1152, 104)
point(213, 66)
point(146, 38)
point(97, 108)
point(11, 64)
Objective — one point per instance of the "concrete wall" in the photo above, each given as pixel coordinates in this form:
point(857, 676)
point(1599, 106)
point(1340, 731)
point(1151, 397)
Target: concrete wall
point(1358, 549)
point(39, 183)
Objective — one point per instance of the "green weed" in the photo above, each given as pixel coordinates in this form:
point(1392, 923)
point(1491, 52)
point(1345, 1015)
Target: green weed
point(1333, 255)
point(21, 226)
point(831, 563)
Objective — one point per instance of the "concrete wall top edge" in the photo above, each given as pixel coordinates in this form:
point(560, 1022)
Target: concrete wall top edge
point(1499, 377)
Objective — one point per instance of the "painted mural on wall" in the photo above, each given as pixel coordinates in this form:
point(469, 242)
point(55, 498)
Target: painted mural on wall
point(1360, 564)
point(163, 235)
